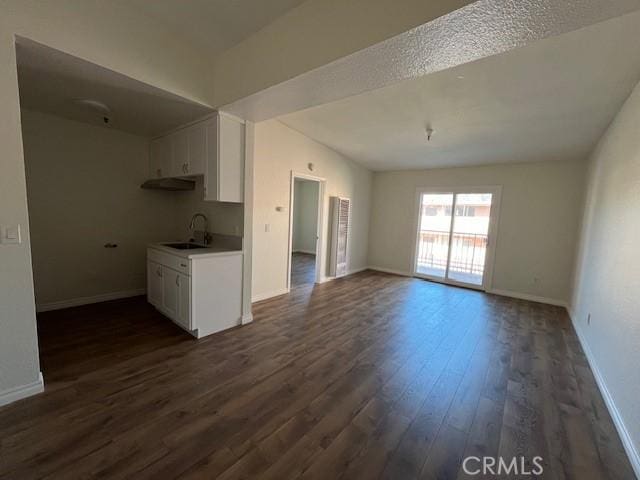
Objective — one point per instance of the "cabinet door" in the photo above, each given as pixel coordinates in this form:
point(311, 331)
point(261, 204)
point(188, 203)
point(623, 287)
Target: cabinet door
point(197, 138)
point(180, 153)
point(154, 284)
point(230, 160)
point(184, 301)
point(170, 292)
point(211, 160)
point(160, 158)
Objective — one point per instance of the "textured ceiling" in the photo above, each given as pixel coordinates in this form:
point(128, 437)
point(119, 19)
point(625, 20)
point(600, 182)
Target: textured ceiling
point(215, 24)
point(478, 30)
point(51, 81)
point(550, 100)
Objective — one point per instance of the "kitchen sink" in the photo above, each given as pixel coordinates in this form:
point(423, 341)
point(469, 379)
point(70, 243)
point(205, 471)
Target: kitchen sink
point(184, 246)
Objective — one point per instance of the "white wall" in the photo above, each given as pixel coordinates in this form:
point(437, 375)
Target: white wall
point(607, 280)
point(83, 188)
point(224, 218)
point(19, 364)
point(277, 151)
point(305, 216)
point(537, 233)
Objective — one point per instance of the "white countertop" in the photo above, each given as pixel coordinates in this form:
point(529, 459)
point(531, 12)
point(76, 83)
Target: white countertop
point(193, 253)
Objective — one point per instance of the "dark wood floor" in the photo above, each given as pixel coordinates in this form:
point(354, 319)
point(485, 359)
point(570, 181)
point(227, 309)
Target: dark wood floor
point(370, 376)
point(303, 269)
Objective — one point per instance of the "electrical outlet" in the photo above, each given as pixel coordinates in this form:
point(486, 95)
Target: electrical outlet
point(589, 319)
point(267, 227)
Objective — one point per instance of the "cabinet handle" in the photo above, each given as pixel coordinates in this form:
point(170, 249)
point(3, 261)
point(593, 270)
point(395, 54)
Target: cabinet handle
point(183, 265)
point(159, 172)
point(159, 271)
point(178, 280)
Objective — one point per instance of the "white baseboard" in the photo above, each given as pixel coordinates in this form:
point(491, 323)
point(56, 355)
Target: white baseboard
point(246, 318)
point(389, 270)
point(531, 298)
point(625, 437)
point(504, 293)
point(357, 270)
point(350, 272)
point(264, 296)
point(308, 252)
point(23, 391)
point(76, 302)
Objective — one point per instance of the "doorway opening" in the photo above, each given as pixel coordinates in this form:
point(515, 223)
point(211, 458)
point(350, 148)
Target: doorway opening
point(305, 230)
point(455, 235)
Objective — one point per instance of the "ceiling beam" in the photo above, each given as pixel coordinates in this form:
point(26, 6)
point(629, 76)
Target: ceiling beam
point(478, 30)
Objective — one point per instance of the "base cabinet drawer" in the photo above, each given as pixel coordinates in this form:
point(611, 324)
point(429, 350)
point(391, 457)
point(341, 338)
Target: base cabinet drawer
point(173, 262)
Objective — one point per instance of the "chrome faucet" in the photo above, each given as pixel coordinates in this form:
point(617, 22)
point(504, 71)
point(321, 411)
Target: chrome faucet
point(206, 237)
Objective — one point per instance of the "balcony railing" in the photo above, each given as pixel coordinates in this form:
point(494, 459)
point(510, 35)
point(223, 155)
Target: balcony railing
point(468, 251)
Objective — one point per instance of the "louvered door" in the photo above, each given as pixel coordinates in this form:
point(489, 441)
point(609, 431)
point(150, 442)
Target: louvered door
point(341, 224)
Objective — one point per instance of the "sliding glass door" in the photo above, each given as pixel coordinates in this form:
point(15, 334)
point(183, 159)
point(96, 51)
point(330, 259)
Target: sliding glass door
point(453, 238)
point(434, 234)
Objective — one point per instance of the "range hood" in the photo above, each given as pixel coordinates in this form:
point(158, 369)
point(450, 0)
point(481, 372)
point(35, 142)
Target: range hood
point(172, 184)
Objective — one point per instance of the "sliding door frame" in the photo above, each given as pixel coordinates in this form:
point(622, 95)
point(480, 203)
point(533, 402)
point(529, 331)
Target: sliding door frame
point(492, 234)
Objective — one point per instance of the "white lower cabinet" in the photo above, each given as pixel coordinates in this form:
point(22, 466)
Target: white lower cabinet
point(184, 301)
point(166, 291)
point(154, 283)
point(170, 292)
point(202, 295)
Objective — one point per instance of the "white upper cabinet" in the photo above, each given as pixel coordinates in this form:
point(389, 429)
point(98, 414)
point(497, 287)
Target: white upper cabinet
point(213, 147)
point(160, 158)
point(179, 153)
point(197, 140)
point(224, 175)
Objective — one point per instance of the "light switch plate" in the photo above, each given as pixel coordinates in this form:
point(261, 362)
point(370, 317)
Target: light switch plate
point(10, 234)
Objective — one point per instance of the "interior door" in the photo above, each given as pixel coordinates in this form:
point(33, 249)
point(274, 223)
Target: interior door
point(454, 230)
